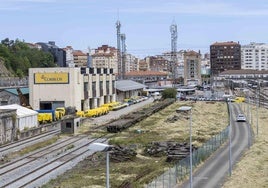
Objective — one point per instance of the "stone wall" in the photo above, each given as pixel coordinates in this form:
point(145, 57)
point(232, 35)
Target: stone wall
point(7, 125)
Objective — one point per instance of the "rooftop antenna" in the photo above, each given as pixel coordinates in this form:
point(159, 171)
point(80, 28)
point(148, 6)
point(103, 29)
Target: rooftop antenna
point(123, 55)
point(174, 37)
point(119, 59)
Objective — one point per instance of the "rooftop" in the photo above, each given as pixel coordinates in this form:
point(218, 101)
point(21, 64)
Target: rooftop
point(244, 71)
point(229, 43)
point(146, 73)
point(128, 85)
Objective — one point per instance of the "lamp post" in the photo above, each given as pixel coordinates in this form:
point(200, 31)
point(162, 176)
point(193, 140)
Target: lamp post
point(248, 116)
point(186, 109)
point(230, 137)
point(103, 148)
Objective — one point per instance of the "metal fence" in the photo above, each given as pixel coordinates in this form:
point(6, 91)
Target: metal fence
point(182, 168)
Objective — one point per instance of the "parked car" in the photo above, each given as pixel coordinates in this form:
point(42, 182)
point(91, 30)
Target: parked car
point(241, 118)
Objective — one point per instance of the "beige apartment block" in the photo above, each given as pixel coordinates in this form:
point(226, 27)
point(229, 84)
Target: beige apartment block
point(82, 88)
point(105, 57)
point(80, 58)
point(192, 68)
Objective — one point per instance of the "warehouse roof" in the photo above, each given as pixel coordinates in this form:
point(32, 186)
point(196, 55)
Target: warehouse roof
point(24, 90)
point(128, 85)
point(21, 111)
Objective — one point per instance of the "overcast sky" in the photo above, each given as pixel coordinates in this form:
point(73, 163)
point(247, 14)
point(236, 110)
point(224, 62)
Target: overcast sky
point(146, 23)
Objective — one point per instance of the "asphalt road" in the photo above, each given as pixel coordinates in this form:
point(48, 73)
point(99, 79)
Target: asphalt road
point(213, 172)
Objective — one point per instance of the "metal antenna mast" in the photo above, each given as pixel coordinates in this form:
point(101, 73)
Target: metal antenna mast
point(173, 63)
point(123, 55)
point(119, 60)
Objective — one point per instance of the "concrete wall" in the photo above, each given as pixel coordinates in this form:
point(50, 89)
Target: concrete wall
point(38, 130)
point(7, 125)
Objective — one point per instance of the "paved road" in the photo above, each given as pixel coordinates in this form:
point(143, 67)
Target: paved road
point(214, 171)
point(116, 114)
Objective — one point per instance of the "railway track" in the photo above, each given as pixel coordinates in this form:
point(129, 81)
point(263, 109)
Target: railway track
point(40, 153)
point(39, 167)
point(31, 175)
point(261, 98)
point(12, 146)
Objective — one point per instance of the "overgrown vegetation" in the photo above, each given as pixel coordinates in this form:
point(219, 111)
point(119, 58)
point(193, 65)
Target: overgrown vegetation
point(169, 93)
point(18, 57)
point(143, 169)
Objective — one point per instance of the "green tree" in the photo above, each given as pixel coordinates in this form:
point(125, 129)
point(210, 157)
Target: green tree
point(19, 57)
point(169, 93)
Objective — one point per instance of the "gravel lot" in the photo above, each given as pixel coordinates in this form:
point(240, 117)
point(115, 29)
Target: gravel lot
point(116, 114)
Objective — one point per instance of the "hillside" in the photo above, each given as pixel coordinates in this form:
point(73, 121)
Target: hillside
point(3, 70)
point(18, 57)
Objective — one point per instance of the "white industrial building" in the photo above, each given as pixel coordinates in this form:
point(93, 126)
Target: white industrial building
point(26, 118)
point(82, 88)
point(254, 56)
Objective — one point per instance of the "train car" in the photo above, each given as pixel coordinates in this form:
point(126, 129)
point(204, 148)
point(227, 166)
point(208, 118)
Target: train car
point(48, 115)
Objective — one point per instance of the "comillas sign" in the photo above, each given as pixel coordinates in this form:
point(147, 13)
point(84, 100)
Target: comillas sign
point(51, 78)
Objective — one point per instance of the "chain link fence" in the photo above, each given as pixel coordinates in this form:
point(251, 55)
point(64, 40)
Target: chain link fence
point(173, 175)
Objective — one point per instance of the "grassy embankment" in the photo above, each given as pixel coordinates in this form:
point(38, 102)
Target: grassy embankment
point(143, 168)
point(252, 169)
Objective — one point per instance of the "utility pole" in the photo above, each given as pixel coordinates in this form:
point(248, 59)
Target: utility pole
point(173, 64)
point(123, 55)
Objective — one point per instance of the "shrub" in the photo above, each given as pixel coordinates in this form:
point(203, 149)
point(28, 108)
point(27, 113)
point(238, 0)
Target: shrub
point(169, 93)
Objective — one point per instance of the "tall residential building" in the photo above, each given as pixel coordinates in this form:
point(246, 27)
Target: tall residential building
point(192, 68)
point(131, 63)
point(59, 54)
point(143, 65)
point(69, 56)
point(158, 64)
point(179, 56)
point(225, 56)
point(80, 58)
point(254, 56)
point(105, 57)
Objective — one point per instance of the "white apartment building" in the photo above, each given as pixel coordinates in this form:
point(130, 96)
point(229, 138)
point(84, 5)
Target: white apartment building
point(254, 56)
point(69, 56)
point(179, 56)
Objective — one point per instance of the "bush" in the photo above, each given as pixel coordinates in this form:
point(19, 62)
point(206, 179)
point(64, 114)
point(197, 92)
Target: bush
point(169, 93)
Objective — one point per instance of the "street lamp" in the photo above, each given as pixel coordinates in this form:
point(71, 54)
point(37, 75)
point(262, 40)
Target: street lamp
point(230, 137)
point(104, 148)
point(186, 109)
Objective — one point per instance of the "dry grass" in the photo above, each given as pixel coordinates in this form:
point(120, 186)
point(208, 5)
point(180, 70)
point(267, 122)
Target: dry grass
point(33, 147)
point(91, 172)
point(252, 170)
